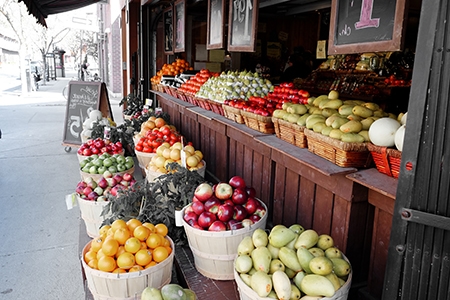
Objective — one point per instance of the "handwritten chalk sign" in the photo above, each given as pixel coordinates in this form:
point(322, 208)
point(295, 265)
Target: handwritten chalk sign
point(242, 25)
point(83, 97)
point(168, 30)
point(366, 25)
point(216, 23)
point(180, 21)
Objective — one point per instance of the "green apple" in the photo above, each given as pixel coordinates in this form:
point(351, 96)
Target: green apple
point(112, 169)
point(98, 162)
point(120, 159)
point(121, 167)
point(107, 162)
point(93, 170)
point(85, 169)
point(101, 169)
point(129, 165)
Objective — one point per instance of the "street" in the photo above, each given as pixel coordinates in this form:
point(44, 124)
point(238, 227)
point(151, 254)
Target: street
point(39, 251)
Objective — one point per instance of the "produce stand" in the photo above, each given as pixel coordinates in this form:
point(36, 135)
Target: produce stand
point(382, 192)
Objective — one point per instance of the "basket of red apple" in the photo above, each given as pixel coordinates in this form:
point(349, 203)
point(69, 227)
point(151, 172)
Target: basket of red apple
point(98, 146)
point(91, 197)
point(216, 221)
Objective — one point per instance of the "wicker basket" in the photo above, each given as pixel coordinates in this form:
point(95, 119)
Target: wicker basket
point(181, 95)
point(203, 103)
point(387, 160)
point(216, 106)
point(258, 122)
point(233, 114)
point(292, 133)
point(343, 154)
point(127, 286)
point(191, 99)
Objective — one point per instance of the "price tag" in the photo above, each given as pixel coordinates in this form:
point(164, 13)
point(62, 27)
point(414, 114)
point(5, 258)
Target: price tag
point(158, 110)
point(71, 201)
point(183, 158)
point(178, 218)
point(148, 102)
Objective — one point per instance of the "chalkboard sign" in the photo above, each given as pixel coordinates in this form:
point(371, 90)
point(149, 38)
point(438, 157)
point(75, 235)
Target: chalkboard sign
point(180, 20)
point(168, 30)
point(366, 25)
point(242, 25)
point(216, 22)
point(83, 97)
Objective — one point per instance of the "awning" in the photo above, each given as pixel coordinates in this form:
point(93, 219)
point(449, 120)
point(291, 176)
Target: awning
point(40, 9)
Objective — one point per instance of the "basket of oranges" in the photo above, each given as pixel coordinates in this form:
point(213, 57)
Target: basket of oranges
point(127, 257)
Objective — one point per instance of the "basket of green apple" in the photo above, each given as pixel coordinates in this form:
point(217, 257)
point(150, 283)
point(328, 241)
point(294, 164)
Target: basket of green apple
point(97, 166)
point(218, 218)
point(291, 263)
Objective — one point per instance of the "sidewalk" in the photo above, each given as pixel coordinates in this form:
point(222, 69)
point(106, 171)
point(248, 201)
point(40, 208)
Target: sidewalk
point(39, 251)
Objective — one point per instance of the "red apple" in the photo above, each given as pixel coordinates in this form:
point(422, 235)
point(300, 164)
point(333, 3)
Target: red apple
point(251, 191)
point(190, 216)
point(194, 224)
point(260, 210)
point(247, 222)
point(189, 209)
point(239, 196)
point(255, 218)
point(234, 224)
point(127, 177)
point(228, 202)
point(237, 182)
point(203, 192)
point(223, 191)
point(102, 183)
point(198, 207)
point(212, 205)
point(225, 212)
point(251, 205)
point(79, 190)
point(86, 191)
point(217, 226)
point(117, 177)
point(239, 212)
point(205, 219)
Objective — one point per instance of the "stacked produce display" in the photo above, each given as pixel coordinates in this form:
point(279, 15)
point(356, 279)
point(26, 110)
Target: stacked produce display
point(291, 262)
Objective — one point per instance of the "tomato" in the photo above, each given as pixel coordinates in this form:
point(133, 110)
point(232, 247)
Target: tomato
point(147, 149)
point(138, 147)
point(156, 143)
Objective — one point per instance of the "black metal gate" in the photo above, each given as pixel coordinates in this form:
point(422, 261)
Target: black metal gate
point(418, 265)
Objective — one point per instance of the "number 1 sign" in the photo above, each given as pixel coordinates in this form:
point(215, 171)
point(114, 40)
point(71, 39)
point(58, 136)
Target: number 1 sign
point(366, 25)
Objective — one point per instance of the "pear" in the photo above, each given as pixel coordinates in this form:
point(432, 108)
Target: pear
point(272, 295)
point(291, 244)
point(289, 272)
point(281, 285)
point(340, 267)
point(243, 263)
point(280, 235)
point(297, 228)
point(333, 252)
point(304, 257)
point(246, 246)
point(190, 295)
point(261, 283)
point(316, 251)
point(276, 265)
point(289, 259)
point(295, 292)
point(307, 239)
point(317, 285)
point(260, 238)
point(334, 280)
point(252, 271)
point(261, 259)
point(321, 265)
point(325, 241)
point(246, 278)
point(306, 297)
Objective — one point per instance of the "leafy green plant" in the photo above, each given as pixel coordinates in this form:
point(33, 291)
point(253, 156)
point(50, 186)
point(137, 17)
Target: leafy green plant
point(156, 201)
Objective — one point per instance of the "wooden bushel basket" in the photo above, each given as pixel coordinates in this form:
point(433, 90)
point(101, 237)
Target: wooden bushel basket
point(247, 293)
point(127, 286)
point(214, 252)
point(91, 214)
point(143, 158)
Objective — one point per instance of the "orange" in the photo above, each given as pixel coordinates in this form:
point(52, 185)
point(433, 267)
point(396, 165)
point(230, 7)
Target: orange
point(106, 264)
point(90, 255)
point(132, 245)
point(133, 223)
point(120, 251)
point(141, 232)
point(160, 253)
point(136, 268)
point(144, 245)
point(96, 243)
point(166, 243)
point(169, 249)
point(143, 257)
point(119, 223)
point(93, 264)
point(110, 247)
point(151, 264)
point(100, 254)
point(126, 260)
point(119, 270)
point(104, 229)
point(154, 240)
point(161, 229)
point(159, 122)
point(121, 235)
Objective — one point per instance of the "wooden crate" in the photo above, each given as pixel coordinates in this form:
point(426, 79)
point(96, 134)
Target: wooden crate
point(387, 160)
point(215, 106)
point(233, 114)
point(340, 153)
point(289, 132)
point(258, 122)
point(203, 103)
